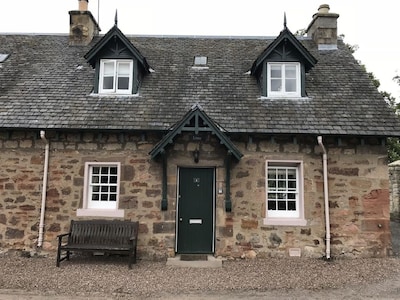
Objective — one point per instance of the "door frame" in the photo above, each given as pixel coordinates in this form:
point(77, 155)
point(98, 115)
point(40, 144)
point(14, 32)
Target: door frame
point(214, 170)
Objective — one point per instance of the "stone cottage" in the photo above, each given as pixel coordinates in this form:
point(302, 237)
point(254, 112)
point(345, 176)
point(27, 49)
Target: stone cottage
point(234, 147)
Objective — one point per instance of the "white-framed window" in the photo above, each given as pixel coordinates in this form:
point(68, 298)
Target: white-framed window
point(101, 190)
point(284, 193)
point(116, 76)
point(283, 79)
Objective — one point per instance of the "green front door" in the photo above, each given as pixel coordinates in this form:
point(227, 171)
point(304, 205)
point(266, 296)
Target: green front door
point(195, 215)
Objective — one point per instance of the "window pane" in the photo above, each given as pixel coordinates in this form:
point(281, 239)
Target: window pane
point(271, 205)
point(104, 189)
point(113, 170)
point(276, 71)
point(271, 174)
point(96, 170)
point(104, 179)
point(108, 68)
point(276, 85)
point(95, 197)
point(123, 83)
point(290, 85)
point(292, 185)
point(281, 205)
point(282, 185)
point(108, 83)
point(113, 197)
point(113, 179)
point(291, 174)
point(123, 68)
point(104, 197)
point(291, 205)
point(95, 179)
point(104, 170)
point(272, 184)
point(290, 71)
point(281, 196)
point(282, 174)
point(96, 188)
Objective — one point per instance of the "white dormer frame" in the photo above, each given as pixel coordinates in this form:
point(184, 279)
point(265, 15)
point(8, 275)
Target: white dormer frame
point(117, 71)
point(282, 82)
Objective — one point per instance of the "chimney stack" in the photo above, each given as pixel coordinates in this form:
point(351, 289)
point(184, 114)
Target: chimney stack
point(323, 28)
point(82, 25)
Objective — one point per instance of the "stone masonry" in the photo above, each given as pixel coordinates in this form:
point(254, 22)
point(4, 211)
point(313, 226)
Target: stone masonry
point(394, 175)
point(358, 191)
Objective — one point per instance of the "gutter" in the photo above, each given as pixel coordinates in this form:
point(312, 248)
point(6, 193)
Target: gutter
point(44, 187)
point(326, 198)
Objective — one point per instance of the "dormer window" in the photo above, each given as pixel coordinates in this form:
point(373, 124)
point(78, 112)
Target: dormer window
point(119, 65)
point(283, 79)
point(116, 76)
point(281, 68)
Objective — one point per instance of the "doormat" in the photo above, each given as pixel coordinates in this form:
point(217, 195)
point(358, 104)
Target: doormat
point(194, 257)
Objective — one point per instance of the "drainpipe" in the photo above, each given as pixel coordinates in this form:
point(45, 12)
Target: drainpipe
point(44, 187)
point(326, 195)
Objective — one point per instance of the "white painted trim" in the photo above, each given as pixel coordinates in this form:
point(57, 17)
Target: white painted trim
point(300, 219)
point(283, 94)
point(284, 222)
point(115, 89)
point(85, 204)
point(114, 213)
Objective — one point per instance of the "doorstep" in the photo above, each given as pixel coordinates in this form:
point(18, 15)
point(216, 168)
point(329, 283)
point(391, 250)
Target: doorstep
point(207, 261)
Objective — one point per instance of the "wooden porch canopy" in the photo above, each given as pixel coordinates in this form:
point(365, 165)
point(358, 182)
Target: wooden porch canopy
point(196, 121)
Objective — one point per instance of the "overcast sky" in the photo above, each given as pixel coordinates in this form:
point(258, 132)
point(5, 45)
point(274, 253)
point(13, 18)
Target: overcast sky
point(371, 25)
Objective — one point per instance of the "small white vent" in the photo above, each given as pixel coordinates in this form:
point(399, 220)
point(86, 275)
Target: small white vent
point(294, 252)
point(200, 60)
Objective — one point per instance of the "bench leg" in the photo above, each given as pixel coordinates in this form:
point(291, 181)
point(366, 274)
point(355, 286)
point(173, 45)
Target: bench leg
point(58, 257)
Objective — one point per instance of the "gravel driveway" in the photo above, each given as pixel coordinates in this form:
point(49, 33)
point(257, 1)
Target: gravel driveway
point(109, 278)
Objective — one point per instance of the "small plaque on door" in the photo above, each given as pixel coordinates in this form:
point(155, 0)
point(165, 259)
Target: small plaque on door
point(195, 221)
point(196, 180)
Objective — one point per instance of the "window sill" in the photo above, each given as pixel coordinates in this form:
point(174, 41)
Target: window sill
point(113, 95)
point(285, 222)
point(285, 97)
point(113, 213)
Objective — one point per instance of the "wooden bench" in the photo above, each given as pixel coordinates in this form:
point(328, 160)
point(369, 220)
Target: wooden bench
point(108, 236)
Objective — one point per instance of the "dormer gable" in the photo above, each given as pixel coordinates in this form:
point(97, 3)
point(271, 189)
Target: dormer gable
point(119, 65)
point(285, 55)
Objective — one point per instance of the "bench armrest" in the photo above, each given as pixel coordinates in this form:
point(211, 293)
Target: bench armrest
point(62, 235)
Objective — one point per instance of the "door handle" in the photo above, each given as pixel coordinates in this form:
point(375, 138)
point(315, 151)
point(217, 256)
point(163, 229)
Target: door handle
point(180, 219)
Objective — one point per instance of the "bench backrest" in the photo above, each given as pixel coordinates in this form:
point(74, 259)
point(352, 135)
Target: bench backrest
point(102, 232)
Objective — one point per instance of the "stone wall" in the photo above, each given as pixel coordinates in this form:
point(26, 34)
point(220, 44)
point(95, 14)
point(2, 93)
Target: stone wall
point(358, 188)
point(358, 200)
point(394, 176)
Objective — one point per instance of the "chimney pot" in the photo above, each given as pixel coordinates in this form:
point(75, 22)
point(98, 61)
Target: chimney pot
point(83, 5)
point(324, 9)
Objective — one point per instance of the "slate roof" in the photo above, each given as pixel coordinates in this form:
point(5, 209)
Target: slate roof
point(47, 84)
